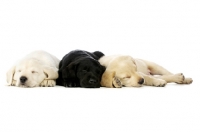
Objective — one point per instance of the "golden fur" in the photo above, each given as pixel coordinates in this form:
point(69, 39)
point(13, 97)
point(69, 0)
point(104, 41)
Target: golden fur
point(127, 71)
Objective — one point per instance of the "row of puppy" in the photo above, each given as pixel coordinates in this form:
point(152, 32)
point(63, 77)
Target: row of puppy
point(80, 68)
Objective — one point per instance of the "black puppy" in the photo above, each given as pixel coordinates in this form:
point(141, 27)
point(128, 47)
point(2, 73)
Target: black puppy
point(80, 68)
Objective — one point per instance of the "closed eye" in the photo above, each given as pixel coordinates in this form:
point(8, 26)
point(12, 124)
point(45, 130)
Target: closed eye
point(34, 71)
point(127, 77)
point(84, 71)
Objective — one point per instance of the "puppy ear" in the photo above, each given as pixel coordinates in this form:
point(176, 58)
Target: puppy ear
point(107, 79)
point(9, 75)
point(133, 60)
point(51, 72)
point(99, 54)
point(70, 70)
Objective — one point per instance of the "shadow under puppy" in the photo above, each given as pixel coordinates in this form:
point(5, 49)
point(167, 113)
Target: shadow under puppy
point(38, 68)
point(80, 68)
point(122, 70)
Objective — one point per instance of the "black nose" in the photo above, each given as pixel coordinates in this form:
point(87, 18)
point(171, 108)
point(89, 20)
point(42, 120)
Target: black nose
point(141, 81)
point(92, 81)
point(23, 79)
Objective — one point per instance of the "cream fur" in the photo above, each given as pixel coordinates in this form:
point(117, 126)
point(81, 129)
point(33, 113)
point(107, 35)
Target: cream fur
point(39, 67)
point(127, 71)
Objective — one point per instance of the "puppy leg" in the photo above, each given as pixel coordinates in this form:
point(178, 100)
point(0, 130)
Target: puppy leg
point(152, 81)
point(156, 69)
point(48, 83)
point(177, 78)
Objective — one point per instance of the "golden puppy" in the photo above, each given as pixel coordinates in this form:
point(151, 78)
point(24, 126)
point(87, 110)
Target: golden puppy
point(129, 72)
point(38, 68)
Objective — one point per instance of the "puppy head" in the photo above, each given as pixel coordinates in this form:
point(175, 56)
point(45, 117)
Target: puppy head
point(125, 70)
point(89, 72)
point(29, 73)
point(86, 73)
point(127, 73)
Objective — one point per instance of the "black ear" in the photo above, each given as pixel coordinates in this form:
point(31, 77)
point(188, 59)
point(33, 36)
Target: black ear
point(99, 54)
point(70, 70)
point(67, 73)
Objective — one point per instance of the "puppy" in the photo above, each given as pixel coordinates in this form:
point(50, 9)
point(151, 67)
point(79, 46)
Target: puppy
point(38, 68)
point(80, 68)
point(130, 72)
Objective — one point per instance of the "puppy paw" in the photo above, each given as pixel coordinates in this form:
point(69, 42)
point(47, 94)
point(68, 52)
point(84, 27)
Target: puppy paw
point(48, 83)
point(13, 83)
point(116, 83)
point(179, 78)
point(159, 83)
point(187, 81)
point(71, 84)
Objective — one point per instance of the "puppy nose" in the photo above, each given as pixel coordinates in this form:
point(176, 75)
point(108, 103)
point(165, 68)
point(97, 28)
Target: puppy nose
point(23, 79)
point(141, 81)
point(92, 81)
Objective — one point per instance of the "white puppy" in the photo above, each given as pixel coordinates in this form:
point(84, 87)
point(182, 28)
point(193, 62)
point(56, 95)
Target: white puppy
point(38, 68)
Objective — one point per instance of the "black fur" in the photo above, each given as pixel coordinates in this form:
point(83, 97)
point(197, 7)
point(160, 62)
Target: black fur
point(80, 68)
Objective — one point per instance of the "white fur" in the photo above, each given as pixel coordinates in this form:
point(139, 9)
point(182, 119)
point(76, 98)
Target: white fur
point(39, 67)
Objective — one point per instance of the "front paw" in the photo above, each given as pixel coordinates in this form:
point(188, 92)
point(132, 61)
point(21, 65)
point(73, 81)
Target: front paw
point(71, 83)
point(116, 83)
point(187, 81)
point(159, 83)
point(48, 83)
point(182, 79)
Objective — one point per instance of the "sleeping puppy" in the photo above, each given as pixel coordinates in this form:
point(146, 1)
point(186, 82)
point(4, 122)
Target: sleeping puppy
point(130, 72)
point(38, 68)
point(80, 68)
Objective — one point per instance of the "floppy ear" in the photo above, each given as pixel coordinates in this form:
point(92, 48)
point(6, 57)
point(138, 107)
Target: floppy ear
point(70, 70)
point(9, 75)
point(133, 60)
point(107, 79)
point(51, 72)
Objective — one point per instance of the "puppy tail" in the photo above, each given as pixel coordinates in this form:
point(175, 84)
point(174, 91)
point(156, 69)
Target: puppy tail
point(98, 54)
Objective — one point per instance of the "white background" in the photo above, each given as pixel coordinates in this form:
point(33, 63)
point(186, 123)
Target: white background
point(163, 31)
